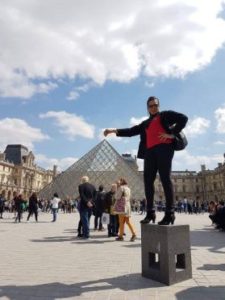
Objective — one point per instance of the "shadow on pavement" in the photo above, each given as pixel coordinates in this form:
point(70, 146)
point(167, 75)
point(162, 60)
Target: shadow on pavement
point(136, 245)
point(210, 267)
point(61, 291)
point(74, 240)
point(210, 238)
point(202, 292)
point(54, 239)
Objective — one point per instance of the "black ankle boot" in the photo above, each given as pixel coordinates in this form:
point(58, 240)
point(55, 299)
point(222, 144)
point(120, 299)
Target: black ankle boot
point(149, 217)
point(167, 219)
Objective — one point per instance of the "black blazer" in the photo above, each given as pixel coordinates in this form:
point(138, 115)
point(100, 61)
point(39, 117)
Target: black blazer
point(173, 122)
point(87, 193)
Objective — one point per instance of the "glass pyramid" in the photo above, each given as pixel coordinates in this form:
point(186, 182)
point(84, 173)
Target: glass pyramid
point(103, 165)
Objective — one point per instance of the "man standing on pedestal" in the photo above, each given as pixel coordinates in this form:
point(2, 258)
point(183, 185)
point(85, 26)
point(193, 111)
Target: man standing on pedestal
point(156, 147)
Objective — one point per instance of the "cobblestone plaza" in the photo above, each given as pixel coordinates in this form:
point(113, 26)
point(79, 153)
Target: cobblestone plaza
point(45, 260)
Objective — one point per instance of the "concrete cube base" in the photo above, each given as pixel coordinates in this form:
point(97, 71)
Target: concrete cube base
point(166, 254)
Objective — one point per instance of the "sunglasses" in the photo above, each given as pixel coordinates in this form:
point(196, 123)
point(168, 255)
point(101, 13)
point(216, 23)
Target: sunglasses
point(153, 105)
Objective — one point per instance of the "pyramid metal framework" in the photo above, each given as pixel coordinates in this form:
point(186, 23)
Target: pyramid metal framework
point(103, 165)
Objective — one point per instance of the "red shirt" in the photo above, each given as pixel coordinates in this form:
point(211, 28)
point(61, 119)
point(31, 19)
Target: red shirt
point(153, 131)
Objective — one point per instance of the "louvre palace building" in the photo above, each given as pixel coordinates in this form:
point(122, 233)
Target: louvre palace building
point(104, 165)
point(203, 186)
point(19, 173)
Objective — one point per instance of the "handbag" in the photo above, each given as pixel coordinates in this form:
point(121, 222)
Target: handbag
point(119, 206)
point(105, 218)
point(180, 141)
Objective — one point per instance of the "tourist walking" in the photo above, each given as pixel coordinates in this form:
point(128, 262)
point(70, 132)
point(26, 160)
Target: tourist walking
point(55, 206)
point(19, 204)
point(33, 207)
point(123, 199)
point(157, 134)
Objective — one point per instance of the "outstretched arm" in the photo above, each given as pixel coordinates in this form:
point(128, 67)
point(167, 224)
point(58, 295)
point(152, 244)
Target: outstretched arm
point(109, 131)
point(125, 132)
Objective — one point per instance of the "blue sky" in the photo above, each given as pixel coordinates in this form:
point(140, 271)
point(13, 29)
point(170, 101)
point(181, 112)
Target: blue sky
point(67, 74)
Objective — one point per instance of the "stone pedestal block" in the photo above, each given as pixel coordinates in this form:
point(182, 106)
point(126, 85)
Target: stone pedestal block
point(166, 254)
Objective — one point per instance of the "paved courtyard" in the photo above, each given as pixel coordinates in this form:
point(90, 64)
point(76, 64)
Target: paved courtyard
point(46, 261)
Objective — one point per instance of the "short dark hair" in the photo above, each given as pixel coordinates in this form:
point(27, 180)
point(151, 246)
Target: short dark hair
point(152, 98)
point(101, 188)
point(56, 195)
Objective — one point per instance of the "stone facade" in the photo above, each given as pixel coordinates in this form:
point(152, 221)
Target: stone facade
point(203, 186)
point(20, 174)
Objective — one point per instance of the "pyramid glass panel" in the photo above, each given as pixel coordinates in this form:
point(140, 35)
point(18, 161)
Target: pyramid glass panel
point(103, 165)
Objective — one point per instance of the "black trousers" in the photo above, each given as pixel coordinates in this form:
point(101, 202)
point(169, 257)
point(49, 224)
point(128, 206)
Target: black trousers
point(159, 159)
point(31, 212)
point(19, 215)
point(98, 220)
point(113, 225)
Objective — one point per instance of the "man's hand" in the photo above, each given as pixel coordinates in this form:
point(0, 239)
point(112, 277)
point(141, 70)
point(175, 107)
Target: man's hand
point(164, 136)
point(89, 204)
point(108, 131)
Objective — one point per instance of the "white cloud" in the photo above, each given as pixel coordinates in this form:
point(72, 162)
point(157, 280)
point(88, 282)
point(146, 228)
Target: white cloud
point(219, 143)
point(16, 84)
point(149, 84)
point(44, 88)
point(184, 160)
point(197, 126)
point(220, 118)
point(75, 93)
point(70, 124)
point(17, 131)
point(135, 121)
point(48, 163)
point(52, 40)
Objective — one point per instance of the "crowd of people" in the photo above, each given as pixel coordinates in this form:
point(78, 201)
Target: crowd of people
point(115, 204)
point(19, 203)
point(103, 206)
point(99, 203)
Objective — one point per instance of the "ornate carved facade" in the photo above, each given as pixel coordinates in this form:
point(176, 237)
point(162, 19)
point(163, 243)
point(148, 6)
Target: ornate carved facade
point(19, 173)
